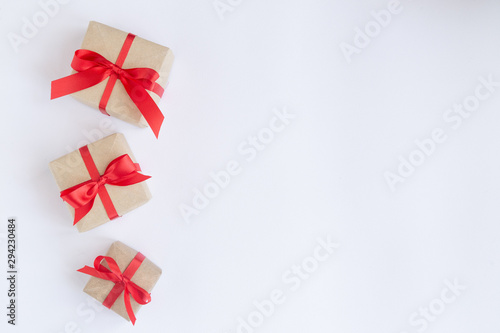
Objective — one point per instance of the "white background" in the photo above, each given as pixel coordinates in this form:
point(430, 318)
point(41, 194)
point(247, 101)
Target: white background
point(323, 175)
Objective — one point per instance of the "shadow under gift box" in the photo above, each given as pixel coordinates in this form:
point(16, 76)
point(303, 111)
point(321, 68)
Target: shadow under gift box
point(145, 277)
point(108, 41)
point(70, 170)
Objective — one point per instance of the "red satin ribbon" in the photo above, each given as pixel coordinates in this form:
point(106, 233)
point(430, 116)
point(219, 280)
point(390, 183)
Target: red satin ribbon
point(121, 280)
point(121, 171)
point(93, 68)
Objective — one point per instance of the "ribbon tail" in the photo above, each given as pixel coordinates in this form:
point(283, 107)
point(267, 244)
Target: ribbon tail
point(145, 104)
point(128, 306)
point(152, 114)
point(94, 272)
point(80, 212)
point(140, 295)
point(89, 271)
point(76, 82)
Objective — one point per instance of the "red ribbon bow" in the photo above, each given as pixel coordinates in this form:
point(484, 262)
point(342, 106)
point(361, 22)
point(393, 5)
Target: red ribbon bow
point(122, 282)
point(121, 171)
point(93, 68)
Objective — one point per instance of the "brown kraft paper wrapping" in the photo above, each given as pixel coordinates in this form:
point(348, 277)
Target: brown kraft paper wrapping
point(108, 41)
point(145, 277)
point(70, 170)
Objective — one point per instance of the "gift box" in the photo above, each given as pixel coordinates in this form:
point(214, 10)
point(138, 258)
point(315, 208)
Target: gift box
point(100, 181)
point(120, 74)
point(122, 280)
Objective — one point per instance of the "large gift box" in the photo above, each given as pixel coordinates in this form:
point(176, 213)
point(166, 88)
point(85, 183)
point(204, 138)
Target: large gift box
point(120, 74)
point(100, 181)
point(122, 280)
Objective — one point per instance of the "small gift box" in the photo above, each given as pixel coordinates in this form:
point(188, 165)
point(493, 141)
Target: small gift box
point(100, 181)
point(122, 280)
point(120, 74)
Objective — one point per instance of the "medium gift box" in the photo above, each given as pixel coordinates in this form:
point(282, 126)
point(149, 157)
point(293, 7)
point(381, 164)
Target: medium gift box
point(100, 181)
point(120, 74)
point(122, 280)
